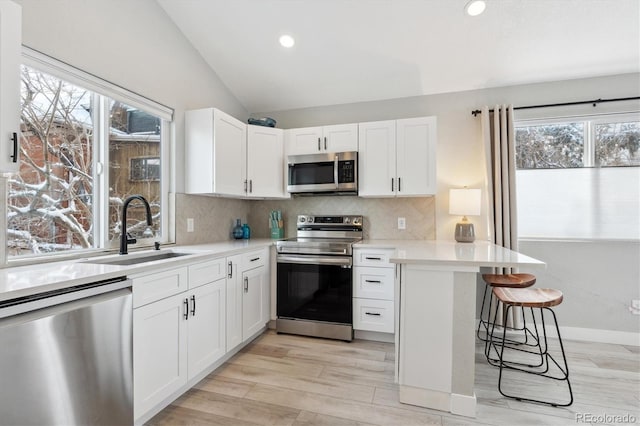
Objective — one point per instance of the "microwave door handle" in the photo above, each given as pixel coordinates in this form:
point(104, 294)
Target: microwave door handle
point(335, 170)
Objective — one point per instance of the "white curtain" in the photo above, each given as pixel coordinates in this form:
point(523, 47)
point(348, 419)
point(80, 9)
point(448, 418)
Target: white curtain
point(499, 143)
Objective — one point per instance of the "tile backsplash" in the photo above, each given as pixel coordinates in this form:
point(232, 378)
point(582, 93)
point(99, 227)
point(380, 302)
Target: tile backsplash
point(380, 215)
point(214, 217)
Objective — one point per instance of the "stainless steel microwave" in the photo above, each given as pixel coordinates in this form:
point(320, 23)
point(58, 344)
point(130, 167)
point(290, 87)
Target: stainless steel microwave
point(331, 172)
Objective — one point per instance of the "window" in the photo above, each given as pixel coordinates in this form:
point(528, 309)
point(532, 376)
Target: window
point(579, 178)
point(146, 168)
point(82, 154)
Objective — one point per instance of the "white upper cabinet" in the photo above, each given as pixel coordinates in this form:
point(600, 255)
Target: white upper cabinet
point(416, 156)
point(377, 159)
point(215, 153)
point(314, 140)
point(10, 48)
point(224, 156)
point(397, 158)
point(265, 158)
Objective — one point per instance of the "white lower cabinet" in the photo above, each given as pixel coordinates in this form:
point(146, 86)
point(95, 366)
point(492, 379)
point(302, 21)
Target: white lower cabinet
point(159, 352)
point(373, 290)
point(179, 336)
point(206, 326)
point(254, 283)
point(248, 295)
point(373, 315)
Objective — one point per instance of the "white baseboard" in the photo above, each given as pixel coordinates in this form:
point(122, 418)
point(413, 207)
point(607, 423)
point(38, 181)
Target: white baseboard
point(597, 335)
point(594, 335)
point(374, 335)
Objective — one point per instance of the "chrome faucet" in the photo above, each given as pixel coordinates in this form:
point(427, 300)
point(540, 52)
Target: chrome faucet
point(125, 238)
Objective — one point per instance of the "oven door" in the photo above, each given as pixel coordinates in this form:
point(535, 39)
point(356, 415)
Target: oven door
point(315, 288)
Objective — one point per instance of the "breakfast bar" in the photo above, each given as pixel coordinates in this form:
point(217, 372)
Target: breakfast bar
point(436, 318)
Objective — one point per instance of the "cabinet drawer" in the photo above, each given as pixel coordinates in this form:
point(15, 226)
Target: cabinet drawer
point(372, 257)
point(373, 283)
point(373, 315)
point(255, 258)
point(207, 272)
point(152, 287)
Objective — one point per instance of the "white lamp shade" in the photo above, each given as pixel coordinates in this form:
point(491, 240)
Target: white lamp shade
point(464, 202)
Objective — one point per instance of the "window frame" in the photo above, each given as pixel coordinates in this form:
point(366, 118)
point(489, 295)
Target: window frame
point(103, 91)
point(589, 160)
point(590, 121)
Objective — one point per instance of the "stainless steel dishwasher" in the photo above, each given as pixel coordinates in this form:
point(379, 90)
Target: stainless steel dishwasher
point(66, 356)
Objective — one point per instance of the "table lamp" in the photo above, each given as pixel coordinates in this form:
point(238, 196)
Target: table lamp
point(464, 202)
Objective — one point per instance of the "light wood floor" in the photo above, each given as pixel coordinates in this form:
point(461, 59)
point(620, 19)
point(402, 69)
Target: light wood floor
point(292, 380)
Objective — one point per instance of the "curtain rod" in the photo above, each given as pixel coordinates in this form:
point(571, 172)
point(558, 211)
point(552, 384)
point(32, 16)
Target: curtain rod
point(593, 102)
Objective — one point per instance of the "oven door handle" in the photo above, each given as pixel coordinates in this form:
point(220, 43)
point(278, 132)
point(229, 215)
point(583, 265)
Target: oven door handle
point(317, 260)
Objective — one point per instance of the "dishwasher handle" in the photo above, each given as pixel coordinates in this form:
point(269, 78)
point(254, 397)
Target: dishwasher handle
point(53, 298)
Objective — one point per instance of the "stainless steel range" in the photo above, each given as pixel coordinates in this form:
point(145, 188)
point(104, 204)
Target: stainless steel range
point(314, 296)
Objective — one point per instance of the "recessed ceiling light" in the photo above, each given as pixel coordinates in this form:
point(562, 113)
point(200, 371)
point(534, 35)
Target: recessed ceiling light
point(475, 7)
point(287, 41)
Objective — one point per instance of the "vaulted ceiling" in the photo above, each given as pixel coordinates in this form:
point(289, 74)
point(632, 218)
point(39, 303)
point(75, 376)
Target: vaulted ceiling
point(362, 50)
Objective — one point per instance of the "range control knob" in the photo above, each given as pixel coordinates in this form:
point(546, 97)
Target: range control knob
point(356, 220)
point(310, 219)
point(347, 220)
point(302, 219)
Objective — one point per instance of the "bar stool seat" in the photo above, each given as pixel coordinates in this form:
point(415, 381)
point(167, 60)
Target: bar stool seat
point(542, 299)
point(515, 280)
point(529, 297)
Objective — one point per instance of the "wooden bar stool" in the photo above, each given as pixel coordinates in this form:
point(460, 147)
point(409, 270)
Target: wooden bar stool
point(516, 280)
point(542, 299)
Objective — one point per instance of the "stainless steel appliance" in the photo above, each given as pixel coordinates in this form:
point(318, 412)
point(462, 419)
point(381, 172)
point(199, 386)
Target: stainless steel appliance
point(335, 172)
point(67, 356)
point(314, 279)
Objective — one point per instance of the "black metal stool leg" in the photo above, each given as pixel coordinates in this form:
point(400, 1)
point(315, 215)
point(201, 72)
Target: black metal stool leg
point(483, 323)
point(564, 376)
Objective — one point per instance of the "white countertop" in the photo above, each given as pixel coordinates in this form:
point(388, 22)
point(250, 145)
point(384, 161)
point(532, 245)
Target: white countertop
point(28, 280)
point(33, 279)
point(442, 252)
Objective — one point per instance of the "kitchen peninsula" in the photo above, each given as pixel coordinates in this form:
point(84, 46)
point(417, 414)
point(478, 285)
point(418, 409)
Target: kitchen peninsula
point(435, 319)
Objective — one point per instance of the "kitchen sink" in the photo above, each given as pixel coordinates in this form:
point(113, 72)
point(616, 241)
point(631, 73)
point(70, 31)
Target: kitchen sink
point(137, 259)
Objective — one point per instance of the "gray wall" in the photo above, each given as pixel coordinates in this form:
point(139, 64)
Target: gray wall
point(598, 279)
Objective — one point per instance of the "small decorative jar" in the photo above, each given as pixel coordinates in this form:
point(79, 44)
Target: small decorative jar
point(237, 230)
